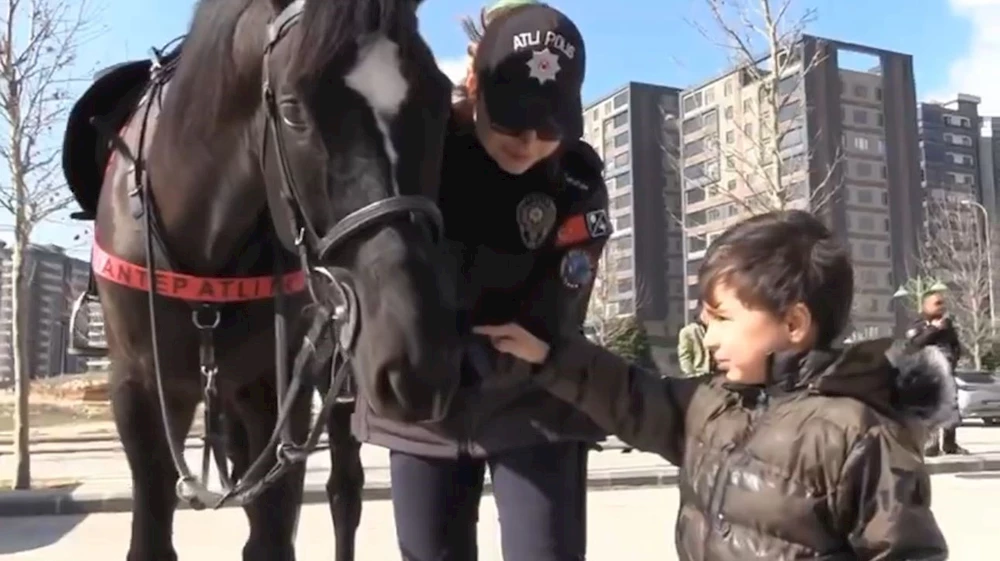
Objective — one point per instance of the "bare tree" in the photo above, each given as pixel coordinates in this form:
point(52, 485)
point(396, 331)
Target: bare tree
point(764, 41)
point(603, 313)
point(955, 252)
point(38, 55)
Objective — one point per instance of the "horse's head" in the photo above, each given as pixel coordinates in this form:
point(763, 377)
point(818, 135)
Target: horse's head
point(356, 112)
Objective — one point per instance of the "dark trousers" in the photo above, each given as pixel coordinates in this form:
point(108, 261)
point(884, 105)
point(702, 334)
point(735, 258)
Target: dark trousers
point(540, 495)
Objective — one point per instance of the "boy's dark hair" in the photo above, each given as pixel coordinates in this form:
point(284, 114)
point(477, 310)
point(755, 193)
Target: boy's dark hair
point(778, 259)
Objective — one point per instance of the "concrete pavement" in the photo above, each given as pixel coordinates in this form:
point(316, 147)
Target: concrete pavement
point(104, 483)
point(634, 524)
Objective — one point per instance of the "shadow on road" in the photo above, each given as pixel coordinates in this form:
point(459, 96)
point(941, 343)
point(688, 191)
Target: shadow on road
point(18, 535)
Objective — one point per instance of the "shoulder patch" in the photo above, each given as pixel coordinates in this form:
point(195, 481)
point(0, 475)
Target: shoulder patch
point(582, 166)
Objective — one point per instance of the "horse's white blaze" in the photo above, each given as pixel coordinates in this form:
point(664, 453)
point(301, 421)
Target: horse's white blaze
point(378, 77)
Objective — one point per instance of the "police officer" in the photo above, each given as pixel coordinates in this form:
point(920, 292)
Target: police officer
point(934, 327)
point(525, 210)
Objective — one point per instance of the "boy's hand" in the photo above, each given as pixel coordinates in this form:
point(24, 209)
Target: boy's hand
point(513, 339)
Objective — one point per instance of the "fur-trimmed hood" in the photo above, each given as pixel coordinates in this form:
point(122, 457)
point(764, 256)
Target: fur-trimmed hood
point(894, 377)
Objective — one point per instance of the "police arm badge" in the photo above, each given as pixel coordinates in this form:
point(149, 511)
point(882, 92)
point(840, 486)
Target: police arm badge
point(577, 268)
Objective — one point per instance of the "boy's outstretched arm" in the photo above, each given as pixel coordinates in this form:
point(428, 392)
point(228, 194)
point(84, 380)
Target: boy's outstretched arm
point(884, 499)
point(643, 409)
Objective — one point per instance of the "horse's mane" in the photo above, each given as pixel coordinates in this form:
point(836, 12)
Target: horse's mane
point(223, 52)
point(206, 88)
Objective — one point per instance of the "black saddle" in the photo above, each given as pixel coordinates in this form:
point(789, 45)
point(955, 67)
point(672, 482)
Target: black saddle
point(111, 99)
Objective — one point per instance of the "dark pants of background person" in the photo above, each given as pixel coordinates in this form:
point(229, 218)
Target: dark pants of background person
point(540, 493)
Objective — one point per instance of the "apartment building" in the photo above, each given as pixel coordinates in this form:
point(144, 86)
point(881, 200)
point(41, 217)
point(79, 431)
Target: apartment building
point(842, 135)
point(54, 279)
point(950, 148)
point(989, 165)
point(635, 131)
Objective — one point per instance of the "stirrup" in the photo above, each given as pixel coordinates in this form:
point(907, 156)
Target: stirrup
point(79, 345)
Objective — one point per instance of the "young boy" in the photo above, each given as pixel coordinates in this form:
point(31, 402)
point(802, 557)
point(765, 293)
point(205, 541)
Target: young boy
point(797, 450)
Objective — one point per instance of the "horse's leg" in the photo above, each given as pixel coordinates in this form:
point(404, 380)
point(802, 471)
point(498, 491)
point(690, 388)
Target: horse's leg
point(136, 411)
point(346, 482)
point(273, 515)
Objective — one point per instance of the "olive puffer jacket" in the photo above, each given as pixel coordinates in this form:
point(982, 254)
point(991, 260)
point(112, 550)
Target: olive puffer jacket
point(822, 462)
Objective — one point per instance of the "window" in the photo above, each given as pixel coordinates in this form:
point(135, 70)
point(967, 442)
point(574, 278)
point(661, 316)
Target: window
point(868, 251)
point(620, 100)
point(861, 116)
point(731, 185)
point(621, 139)
point(727, 89)
point(792, 138)
point(622, 179)
point(881, 146)
point(622, 244)
point(885, 172)
point(694, 196)
point(626, 307)
point(622, 159)
point(696, 243)
point(878, 94)
point(623, 286)
point(863, 169)
point(709, 96)
point(866, 223)
point(624, 221)
point(623, 263)
point(694, 148)
point(747, 106)
point(885, 198)
point(729, 112)
point(621, 201)
point(864, 196)
point(880, 119)
point(860, 91)
point(730, 137)
point(620, 119)
point(692, 102)
point(748, 129)
point(861, 143)
point(790, 111)
point(691, 125)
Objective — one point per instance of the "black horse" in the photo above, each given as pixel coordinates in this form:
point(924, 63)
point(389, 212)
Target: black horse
point(272, 179)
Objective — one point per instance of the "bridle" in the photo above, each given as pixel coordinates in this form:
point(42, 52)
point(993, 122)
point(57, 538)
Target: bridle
point(334, 329)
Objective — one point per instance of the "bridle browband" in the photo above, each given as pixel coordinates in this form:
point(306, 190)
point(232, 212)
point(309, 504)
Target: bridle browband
point(333, 331)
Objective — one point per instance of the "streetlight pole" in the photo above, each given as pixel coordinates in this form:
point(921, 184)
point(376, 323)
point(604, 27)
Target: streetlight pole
point(989, 259)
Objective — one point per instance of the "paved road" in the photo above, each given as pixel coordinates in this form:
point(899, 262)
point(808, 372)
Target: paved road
point(102, 465)
point(624, 524)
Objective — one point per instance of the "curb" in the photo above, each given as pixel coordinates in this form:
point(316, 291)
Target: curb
point(83, 501)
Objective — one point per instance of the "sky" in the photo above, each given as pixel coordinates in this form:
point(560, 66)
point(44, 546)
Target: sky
point(955, 44)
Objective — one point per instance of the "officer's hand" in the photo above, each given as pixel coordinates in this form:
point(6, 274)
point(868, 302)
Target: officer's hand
point(513, 339)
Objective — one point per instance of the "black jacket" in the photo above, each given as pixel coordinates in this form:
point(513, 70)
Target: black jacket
point(503, 278)
point(922, 333)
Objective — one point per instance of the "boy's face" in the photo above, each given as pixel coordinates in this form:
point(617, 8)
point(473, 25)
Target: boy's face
point(741, 338)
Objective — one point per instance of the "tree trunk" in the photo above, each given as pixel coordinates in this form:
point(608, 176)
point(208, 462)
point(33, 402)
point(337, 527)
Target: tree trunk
point(22, 370)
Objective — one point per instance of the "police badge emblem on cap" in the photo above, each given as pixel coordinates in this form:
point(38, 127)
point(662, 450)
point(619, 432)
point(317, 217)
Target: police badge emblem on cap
point(577, 268)
point(536, 215)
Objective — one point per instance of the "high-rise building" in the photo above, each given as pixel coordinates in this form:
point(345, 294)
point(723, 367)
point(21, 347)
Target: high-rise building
point(635, 131)
point(989, 165)
point(849, 128)
point(950, 148)
point(54, 279)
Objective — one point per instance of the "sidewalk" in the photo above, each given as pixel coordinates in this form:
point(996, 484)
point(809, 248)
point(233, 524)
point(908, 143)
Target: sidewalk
point(609, 469)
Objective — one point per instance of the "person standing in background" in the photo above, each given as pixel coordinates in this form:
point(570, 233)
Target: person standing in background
point(934, 327)
point(692, 355)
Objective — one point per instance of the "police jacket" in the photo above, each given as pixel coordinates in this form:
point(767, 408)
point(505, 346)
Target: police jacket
point(922, 333)
point(525, 249)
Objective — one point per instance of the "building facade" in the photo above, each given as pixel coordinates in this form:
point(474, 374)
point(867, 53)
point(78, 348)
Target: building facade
point(53, 281)
point(989, 164)
point(950, 147)
point(846, 154)
point(635, 130)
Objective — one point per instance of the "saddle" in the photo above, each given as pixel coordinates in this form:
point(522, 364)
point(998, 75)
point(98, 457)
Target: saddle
point(111, 99)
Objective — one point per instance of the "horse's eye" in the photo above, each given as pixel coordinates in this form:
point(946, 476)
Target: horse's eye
point(293, 114)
